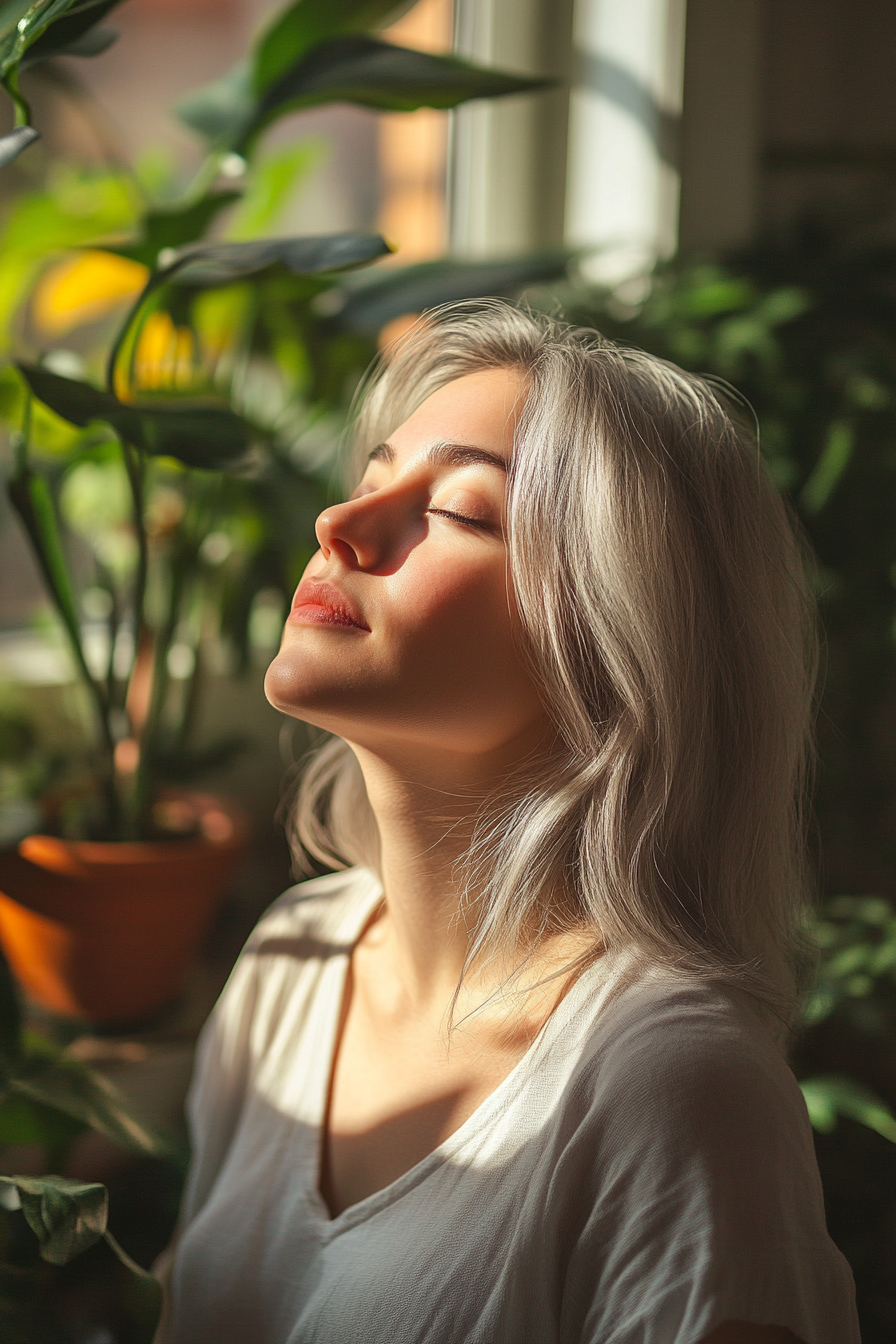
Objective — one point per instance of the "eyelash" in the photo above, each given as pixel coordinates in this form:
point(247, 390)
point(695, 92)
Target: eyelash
point(460, 518)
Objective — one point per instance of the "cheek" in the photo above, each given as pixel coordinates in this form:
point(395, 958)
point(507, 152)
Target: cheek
point(459, 644)
point(452, 608)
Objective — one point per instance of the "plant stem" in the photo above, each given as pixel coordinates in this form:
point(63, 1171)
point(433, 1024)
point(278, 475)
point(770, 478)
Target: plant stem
point(135, 465)
point(204, 176)
point(22, 440)
point(143, 783)
point(113, 621)
point(31, 497)
point(23, 111)
point(124, 329)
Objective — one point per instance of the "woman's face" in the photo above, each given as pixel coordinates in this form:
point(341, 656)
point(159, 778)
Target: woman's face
point(403, 628)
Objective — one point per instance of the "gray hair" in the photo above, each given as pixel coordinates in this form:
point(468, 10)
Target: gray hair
point(668, 620)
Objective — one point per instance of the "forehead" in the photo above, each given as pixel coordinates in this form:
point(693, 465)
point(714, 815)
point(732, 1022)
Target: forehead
point(479, 410)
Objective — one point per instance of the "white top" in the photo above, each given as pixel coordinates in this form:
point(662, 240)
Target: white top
point(643, 1174)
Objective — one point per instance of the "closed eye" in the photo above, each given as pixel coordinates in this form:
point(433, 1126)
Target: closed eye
point(461, 518)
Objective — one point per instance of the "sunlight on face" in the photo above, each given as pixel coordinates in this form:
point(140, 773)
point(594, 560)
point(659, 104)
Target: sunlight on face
point(403, 628)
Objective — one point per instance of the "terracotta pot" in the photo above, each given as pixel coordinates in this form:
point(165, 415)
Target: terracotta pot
point(105, 930)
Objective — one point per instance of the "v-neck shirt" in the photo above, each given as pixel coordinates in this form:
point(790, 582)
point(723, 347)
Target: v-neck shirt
point(643, 1173)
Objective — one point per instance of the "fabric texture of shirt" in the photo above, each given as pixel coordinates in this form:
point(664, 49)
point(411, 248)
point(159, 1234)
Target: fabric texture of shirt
point(643, 1174)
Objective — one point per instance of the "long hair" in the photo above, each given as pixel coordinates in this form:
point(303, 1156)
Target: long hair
point(668, 621)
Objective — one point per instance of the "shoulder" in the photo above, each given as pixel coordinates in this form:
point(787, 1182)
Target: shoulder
point(305, 929)
point(688, 1073)
point(692, 1172)
point(675, 1038)
point(316, 918)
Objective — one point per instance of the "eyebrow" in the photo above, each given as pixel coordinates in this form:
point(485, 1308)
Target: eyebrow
point(446, 454)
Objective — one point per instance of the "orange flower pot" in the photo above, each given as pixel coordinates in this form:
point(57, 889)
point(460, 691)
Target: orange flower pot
point(105, 930)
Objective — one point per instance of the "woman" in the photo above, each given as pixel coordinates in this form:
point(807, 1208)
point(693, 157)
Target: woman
point(515, 1074)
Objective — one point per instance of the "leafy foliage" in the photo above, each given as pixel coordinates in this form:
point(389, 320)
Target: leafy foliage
point(225, 365)
point(197, 435)
point(365, 303)
point(206, 265)
point(316, 53)
point(48, 1099)
point(66, 1216)
point(30, 33)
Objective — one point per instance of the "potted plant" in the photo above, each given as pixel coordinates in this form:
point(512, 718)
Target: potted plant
point(225, 350)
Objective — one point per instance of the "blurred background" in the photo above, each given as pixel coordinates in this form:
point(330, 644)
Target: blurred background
point(712, 179)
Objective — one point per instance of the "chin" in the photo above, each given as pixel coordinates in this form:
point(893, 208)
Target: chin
point(291, 687)
point(283, 686)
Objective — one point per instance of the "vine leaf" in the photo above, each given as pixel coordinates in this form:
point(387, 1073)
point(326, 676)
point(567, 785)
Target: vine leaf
point(367, 302)
point(32, 32)
point(30, 495)
point(67, 1216)
point(73, 34)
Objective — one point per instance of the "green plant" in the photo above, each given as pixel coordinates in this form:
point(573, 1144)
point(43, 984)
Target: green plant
point(182, 476)
point(48, 1099)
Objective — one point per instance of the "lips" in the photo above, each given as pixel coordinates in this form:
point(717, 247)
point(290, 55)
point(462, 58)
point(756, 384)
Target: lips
point(318, 603)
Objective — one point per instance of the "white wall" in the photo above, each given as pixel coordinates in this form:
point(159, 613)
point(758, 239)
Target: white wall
point(508, 156)
point(622, 187)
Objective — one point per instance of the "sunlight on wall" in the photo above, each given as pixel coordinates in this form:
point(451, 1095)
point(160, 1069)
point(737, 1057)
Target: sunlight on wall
point(412, 149)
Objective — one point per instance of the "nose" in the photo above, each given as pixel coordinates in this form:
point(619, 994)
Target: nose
point(373, 532)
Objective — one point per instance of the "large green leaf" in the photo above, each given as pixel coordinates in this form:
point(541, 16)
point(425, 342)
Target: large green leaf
point(90, 1099)
point(199, 434)
point(367, 303)
point(50, 27)
point(160, 229)
point(67, 1216)
point(308, 22)
point(206, 265)
point(351, 69)
point(380, 75)
point(74, 34)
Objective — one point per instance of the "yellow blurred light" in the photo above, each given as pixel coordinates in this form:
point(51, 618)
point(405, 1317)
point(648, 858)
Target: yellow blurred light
point(84, 288)
point(164, 355)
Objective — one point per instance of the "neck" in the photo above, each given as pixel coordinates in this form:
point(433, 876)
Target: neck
point(426, 813)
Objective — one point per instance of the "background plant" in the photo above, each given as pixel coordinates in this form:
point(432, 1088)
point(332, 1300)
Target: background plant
point(194, 476)
point(48, 1098)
